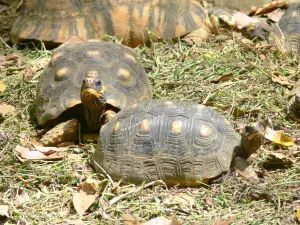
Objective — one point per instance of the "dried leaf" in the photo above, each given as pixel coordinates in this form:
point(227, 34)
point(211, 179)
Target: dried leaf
point(26, 153)
point(86, 196)
point(182, 199)
point(236, 112)
point(267, 8)
point(209, 201)
point(4, 210)
point(242, 20)
point(284, 81)
point(129, 220)
point(278, 137)
point(2, 60)
point(262, 56)
point(244, 169)
point(278, 159)
point(22, 197)
point(224, 222)
point(276, 15)
point(222, 78)
point(2, 86)
point(298, 213)
point(13, 57)
point(162, 221)
point(6, 109)
point(197, 36)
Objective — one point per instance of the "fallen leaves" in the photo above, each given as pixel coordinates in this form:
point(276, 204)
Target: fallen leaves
point(41, 153)
point(2, 87)
point(298, 213)
point(224, 222)
point(88, 192)
point(6, 109)
point(4, 210)
point(129, 220)
point(222, 78)
point(267, 8)
point(284, 81)
point(278, 137)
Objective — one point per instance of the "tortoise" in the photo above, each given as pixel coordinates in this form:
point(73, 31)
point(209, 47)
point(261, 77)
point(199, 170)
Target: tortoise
point(134, 22)
point(289, 25)
point(293, 106)
point(64, 92)
point(175, 141)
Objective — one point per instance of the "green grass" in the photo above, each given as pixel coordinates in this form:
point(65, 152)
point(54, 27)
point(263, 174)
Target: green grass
point(176, 71)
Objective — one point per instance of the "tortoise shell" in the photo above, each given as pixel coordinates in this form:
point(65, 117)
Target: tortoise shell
point(177, 142)
point(122, 76)
point(290, 27)
point(135, 21)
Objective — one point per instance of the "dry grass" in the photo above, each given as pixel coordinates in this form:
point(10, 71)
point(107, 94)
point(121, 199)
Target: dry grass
point(176, 71)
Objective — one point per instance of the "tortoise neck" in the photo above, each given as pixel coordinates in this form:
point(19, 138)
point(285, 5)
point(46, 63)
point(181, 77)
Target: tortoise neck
point(93, 111)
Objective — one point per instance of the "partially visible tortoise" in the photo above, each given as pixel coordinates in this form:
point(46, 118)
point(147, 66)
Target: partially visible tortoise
point(289, 25)
point(178, 142)
point(134, 22)
point(64, 92)
point(293, 107)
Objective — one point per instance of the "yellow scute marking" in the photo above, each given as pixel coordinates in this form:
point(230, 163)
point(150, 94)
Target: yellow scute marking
point(93, 53)
point(93, 73)
point(145, 125)
point(62, 72)
point(124, 74)
point(176, 126)
point(131, 57)
point(205, 130)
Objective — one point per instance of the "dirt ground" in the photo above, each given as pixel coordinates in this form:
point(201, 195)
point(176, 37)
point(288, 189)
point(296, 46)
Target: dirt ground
point(229, 73)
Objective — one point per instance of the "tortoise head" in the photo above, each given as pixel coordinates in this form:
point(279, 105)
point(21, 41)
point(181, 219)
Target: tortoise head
point(93, 98)
point(221, 19)
point(252, 139)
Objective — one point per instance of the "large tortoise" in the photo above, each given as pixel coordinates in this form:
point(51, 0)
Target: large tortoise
point(174, 141)
point(115, 74)
point(135, 21)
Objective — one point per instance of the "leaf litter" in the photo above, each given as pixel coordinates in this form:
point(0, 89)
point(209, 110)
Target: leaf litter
point(53, 184)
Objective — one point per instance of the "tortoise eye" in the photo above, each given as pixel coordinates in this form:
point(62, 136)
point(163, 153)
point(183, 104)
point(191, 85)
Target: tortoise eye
point(84, 81)
point(98, 82)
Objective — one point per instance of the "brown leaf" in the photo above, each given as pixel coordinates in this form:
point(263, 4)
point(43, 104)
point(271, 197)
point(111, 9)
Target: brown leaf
point(262, 56)
point(129, 220)
point(284, 81)
point(244, 169)
point(162, 221)
point(242, 20)
point(26, 153)
point(6, 109)
point(222, 78)
point(236, 112)
point(182, 199)
point(224, 222)
point(267, 8)
point(197, 36)
point(13, 57)
point(209, 201)
point(278, 158)
point(2, 86)
point(4, 210)
point(276, 15)
point(2, 60)
point(278, 137)
point(86, 196)
point(22, 197)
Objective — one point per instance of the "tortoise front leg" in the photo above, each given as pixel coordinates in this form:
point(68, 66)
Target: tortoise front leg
point(108, 115)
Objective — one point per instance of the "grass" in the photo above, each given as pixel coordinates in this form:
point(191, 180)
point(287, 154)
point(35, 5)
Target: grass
point(176, 71)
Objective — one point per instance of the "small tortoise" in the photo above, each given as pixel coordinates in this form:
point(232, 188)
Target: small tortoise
point(175, 141)
point(134, 22)
point(105, 77)
point(293, 107)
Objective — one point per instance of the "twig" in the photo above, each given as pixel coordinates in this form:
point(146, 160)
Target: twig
point(106, 174)
point(120, 197)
